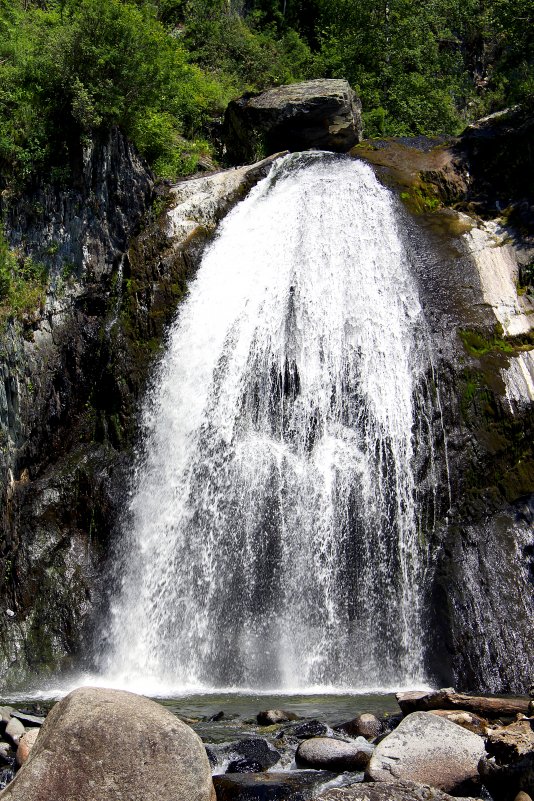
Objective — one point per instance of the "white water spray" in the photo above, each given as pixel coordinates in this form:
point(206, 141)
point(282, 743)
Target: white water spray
point(276, 520)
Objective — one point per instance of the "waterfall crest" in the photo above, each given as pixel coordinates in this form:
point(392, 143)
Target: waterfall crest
point(277, 523)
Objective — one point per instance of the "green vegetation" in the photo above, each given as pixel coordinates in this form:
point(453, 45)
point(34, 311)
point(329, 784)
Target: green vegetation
point(22, 284)
point(477, 344)
point(526, 280)
point(164, 70)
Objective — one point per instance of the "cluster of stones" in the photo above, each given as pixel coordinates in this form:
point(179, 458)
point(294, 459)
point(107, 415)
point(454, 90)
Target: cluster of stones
point(110, 744)
point(18, 732)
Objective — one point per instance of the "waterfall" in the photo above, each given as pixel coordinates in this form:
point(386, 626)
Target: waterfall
point(276, 527)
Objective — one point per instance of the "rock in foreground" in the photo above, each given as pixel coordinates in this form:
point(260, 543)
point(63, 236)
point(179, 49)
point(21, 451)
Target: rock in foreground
point(293, 785)
point(430, 750)
point(400, 791)
point(110, 744)
point(325, 753)
point(323, 114)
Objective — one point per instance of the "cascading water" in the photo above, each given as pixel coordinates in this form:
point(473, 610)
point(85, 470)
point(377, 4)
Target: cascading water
point(276, 515)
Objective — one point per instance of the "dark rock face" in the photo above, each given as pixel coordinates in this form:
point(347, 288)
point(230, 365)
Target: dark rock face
point(62, 411)
point(70, 383)
point(322, 114)
point(498, 152)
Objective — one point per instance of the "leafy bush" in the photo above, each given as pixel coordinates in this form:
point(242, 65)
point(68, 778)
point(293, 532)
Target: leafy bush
point(22, 283)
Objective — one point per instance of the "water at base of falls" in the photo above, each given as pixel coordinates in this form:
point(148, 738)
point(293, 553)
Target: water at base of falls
point(276, 534)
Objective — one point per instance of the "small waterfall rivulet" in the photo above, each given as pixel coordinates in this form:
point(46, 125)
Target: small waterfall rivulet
point(277, 515)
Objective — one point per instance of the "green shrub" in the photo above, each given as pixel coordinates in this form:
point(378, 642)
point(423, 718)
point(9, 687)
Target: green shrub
point(22, 283)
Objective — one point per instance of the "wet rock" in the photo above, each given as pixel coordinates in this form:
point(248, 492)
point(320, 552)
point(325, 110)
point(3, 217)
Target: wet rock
point(7, 754)
point(215, 718)
point(5, 715)
point(389, 723)
point(210, 753)
point(322, 114)
point(326, 753)
point(496, 148)
point(252, 750)
point(379, 791)
point(244, 766)
point(364, 725)
point(273, 716)
point(28, 720)
point(462, 718)
point(27, 741)
point(302, 731)
point(430, 750)
point(6, 776)
point(77, 757)
point(504, 782)
point(14, 730)
point(295, 785)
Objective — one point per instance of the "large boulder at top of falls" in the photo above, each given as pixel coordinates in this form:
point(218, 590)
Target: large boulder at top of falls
point(323, 114)
point(430, 750)
point(110, 744)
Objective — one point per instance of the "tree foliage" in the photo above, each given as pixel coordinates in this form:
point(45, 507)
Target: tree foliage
point(163, 70)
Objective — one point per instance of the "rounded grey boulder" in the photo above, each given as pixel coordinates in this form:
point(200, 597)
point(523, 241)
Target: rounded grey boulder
point(110, 744)
point(430, 750)
point(326, 753)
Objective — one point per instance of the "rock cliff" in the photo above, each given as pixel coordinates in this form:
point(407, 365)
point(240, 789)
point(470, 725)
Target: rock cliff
point(119, 254)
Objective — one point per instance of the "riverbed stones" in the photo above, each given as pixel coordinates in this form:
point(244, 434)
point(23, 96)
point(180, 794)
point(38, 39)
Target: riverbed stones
point(323, 114)
point(271, 717)
point(250, 752)
point(27, 741)
point(111, 744)
point(430, 750)
point(6, 753)
point(14, 730)
point(326, 753)
point(304, 730)
point(365, 725)
point(28, 720)
point(379, 791)
point(294, 785)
